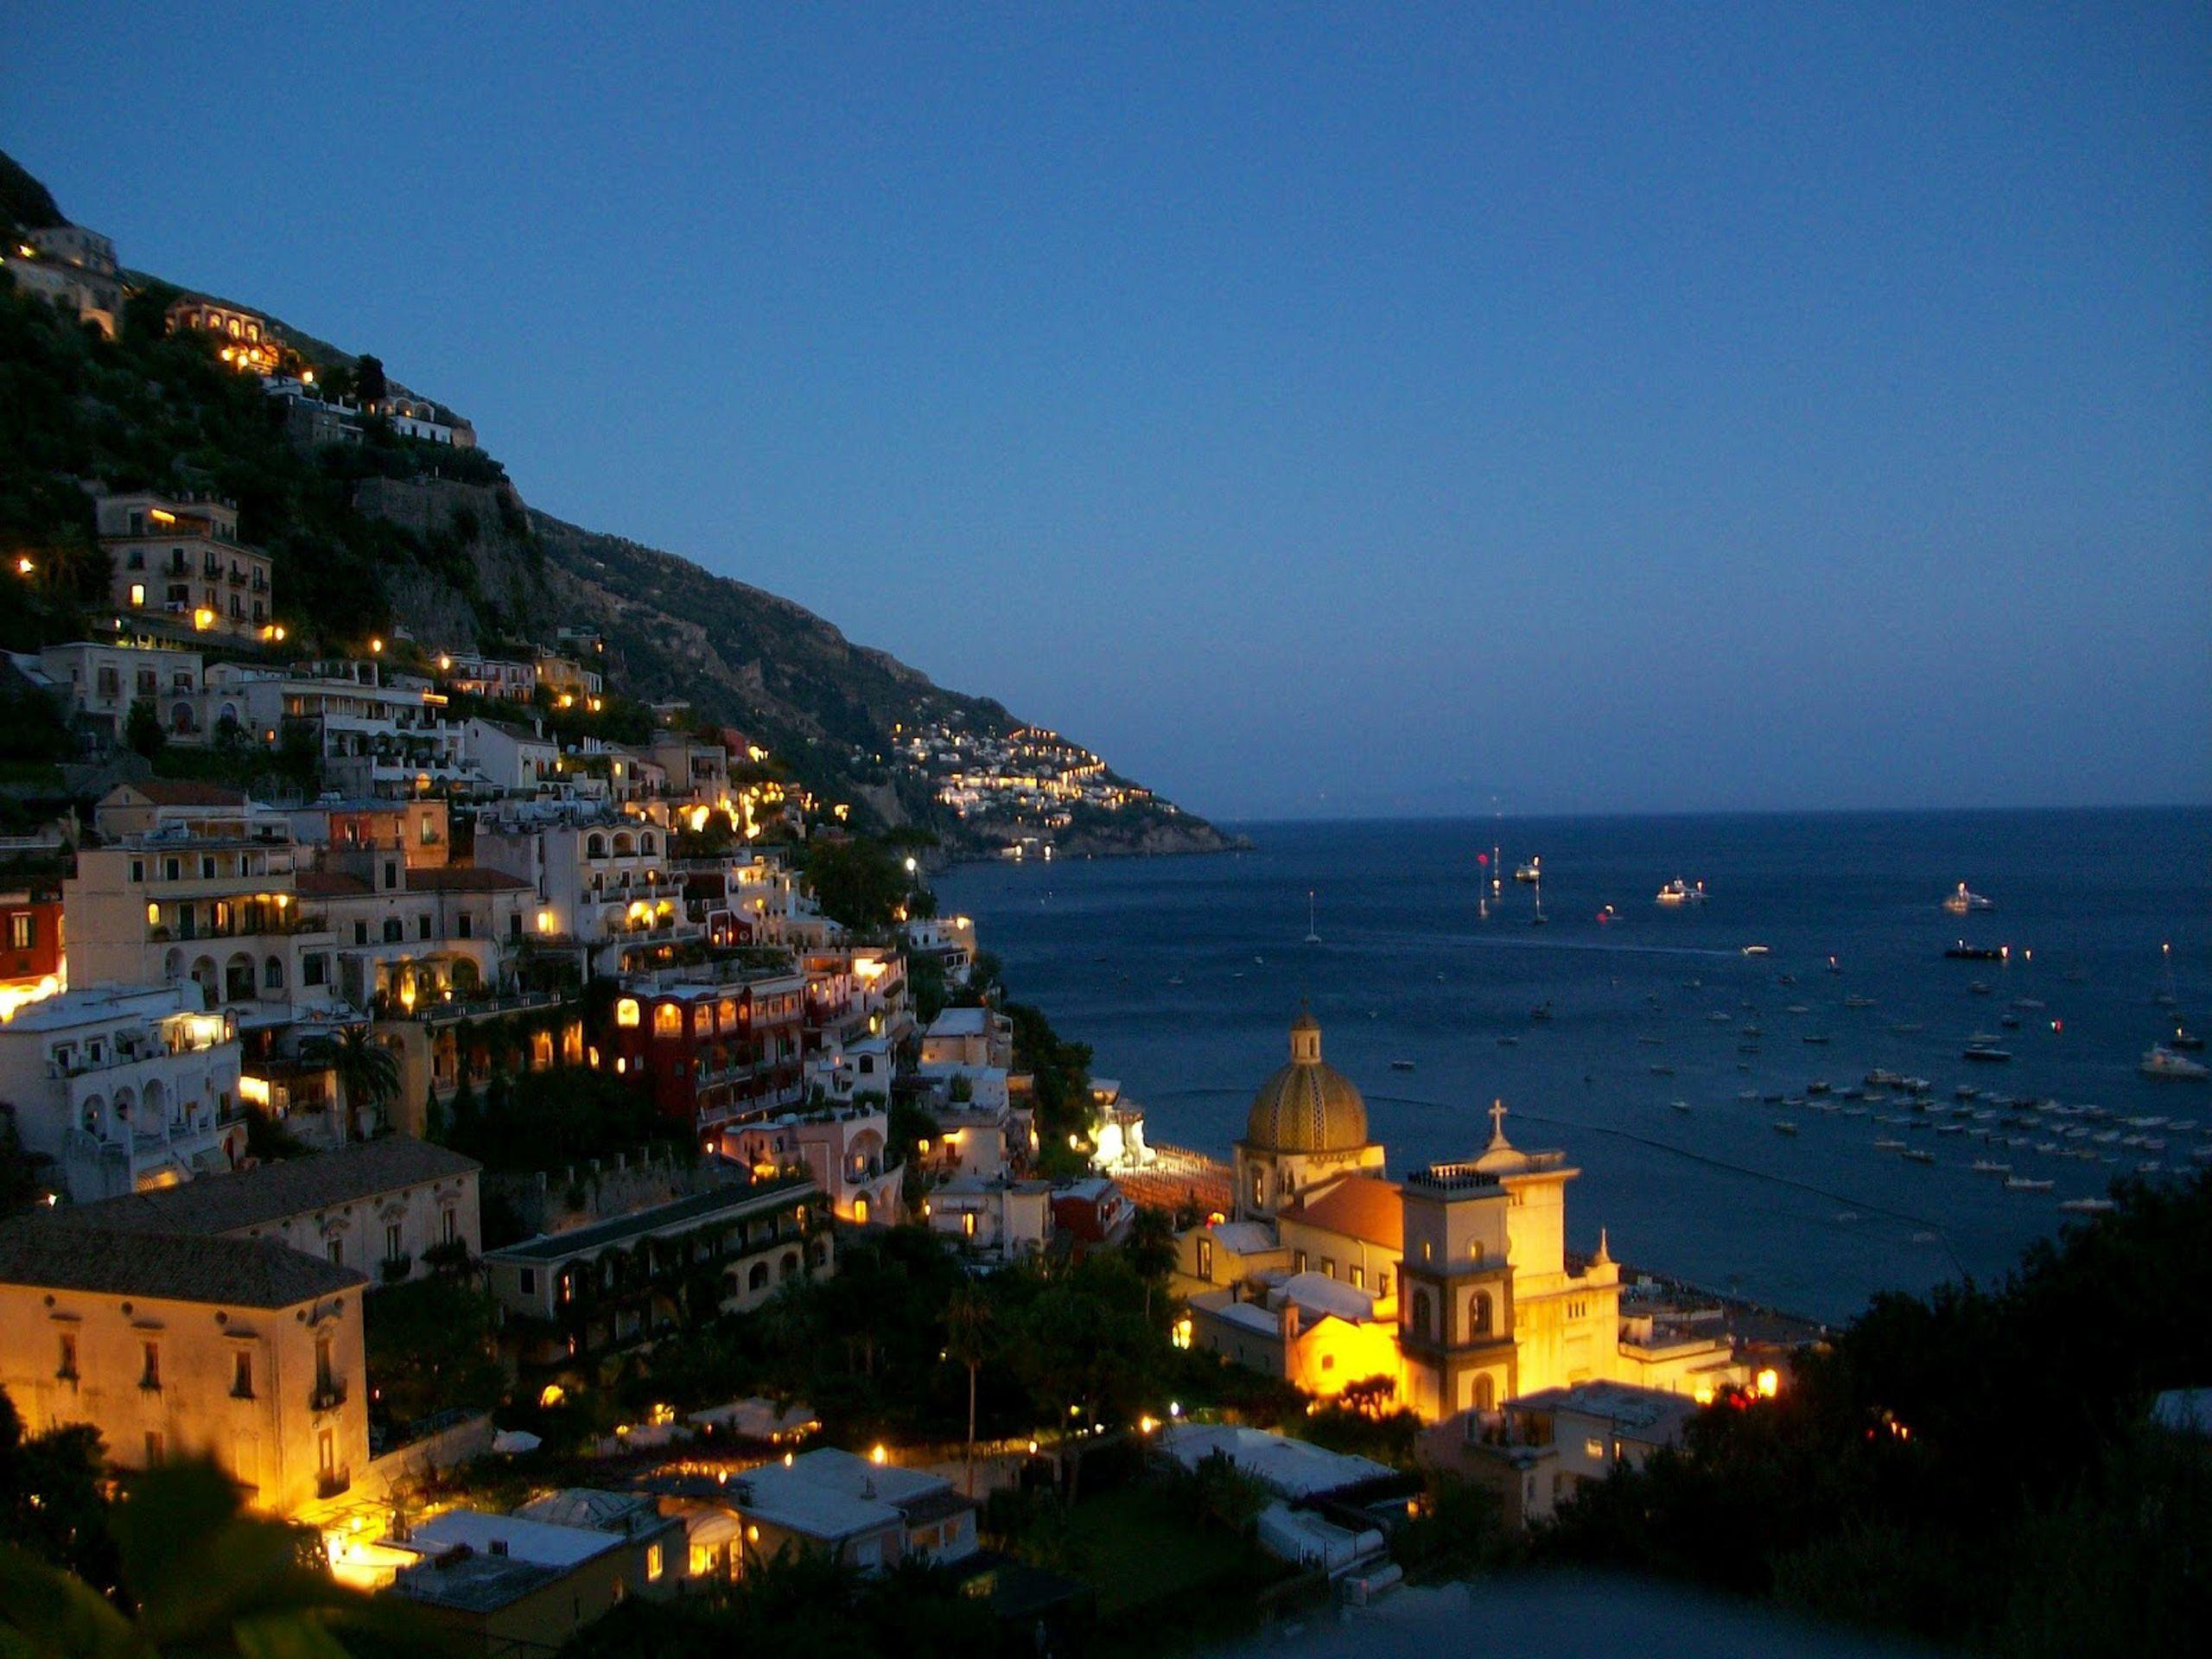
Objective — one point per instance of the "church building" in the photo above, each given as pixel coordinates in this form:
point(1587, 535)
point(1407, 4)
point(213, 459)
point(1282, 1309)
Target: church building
point(1454, 1283)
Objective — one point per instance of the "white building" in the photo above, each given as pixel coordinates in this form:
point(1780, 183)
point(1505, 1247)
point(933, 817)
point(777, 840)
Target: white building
point(603, 882)
point(510, 757)
point(376, 732)
point(1000, 1216)
point(385, 1206)
point(101, 680)
point(124, 1088)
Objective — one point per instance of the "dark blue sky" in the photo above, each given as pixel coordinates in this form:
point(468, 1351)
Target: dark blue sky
point(1566, 408)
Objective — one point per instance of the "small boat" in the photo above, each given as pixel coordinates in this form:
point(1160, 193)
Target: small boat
point(2086, 1206)
point(1608, 916)
point(1855, 1000)
point(1984, 1167)
point(1541, 1013)
point(1985, 1054)
point(1888, 1143)
point(1960, 900)
point(1509, 1042)
point(2183, 1038)
point(1756, 951)
point(1662, 1071)
point(1402, 1065)
point(1532, 871)
point(1679, 1105)
point(2159, 1061)
point(2025, 1183)
point(1819, 1039)
point(1313, 932)
point(1783, 1126)
point(1915, 1155)
point(1964, 952)
point(2010, 1021)
point(1679, 891)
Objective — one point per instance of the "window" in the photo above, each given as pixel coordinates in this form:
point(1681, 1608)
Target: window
point(391, 1241)
point(156, 1448)
point(1358, 1276)
point(326, 1461)
point(1593, 1447)
point(149, 1373)
point(527, 1280)
point(668, 1020)
point(653, 1563)
point(1328, 1267)
point(393, 931)
point(324, 1380)
point(448, 1227)
point(1205, 1260)
point(335, 1249)
point(1479, 1313)
point(625, 1013)
point(1298, 1260)
point(360, 932)
point(462, 926)
point(314, 970)
point(23, 930)
point(241, 1375)
point(67, 1369)
point(137, 594)
point(967, 1223)
point(423, 927)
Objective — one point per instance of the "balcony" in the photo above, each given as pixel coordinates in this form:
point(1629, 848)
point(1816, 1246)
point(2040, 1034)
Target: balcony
point(331, 1483)
point(393, 1268)
point(326, 1395)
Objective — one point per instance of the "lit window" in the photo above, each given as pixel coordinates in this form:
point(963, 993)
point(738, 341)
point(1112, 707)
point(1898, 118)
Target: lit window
point(1593, 1447)
point(653, 1563)
point(626, 1012)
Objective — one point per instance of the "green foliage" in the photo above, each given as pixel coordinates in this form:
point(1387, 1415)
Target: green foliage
point(430, 1348)
point(143, 732)
point(50, 1503)
point(542, 1120)
point(367, 1071)
point(1061, 1071)
point(23, 201)
point(858, 882)
point(198, 1577)
point(1948, 1439)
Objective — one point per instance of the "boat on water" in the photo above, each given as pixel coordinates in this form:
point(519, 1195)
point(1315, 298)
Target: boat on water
point(2159, 1061)
point(1985, 1053)
point(1984, 1167)
point(1531, 871)
point(1855, 1000)
point(1679, 891)
point(2184, 1039)
point(1755, 950)
point(1783, 1126)
point(1541, 1013)
point(1679, 1105)
point(1313, 932)
point(1916, 1155)
point(1964, 952)
point(1608, 916)
point(1960, 901)
point(2025, 1183)
point(2086, 1206)
point(1402, 1065)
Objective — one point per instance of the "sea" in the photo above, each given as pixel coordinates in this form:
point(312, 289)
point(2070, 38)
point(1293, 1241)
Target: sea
point(1661, 1047)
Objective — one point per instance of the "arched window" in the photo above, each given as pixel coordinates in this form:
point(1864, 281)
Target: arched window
point(595, 846)
point(1486, 1393)
point(624, 846)
point(625, 1013)
point(1424, 1315)
point(860, 1211)
point(272, 974)
point(729, 1015)
point(668, 1020)
point(1479, 1313)
point(791, 1263)
point(648, 844)
point(757, 1279)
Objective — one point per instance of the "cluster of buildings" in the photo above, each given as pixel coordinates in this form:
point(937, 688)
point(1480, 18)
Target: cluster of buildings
point(1029, 778)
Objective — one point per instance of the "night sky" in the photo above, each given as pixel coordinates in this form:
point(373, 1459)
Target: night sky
point(1354, 411)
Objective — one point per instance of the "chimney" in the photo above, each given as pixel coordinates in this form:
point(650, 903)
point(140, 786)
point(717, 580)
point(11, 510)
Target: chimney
point(1290, 1315)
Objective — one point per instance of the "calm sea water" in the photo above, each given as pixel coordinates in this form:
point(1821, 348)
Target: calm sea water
point(1184, 974)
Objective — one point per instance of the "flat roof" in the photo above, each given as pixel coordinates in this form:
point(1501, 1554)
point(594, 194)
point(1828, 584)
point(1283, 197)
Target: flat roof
point(1285, 1467)
point(699, 1207)
point(541, 1543)
point(1624, 1405)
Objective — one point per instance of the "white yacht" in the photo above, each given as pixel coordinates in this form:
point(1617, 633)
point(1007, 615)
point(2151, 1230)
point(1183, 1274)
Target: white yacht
point(2159, 1061)
point(1960, 900)
point(1679, 891)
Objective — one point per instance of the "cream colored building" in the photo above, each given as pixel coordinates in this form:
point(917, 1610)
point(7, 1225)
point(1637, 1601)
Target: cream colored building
point(1455, 1282)
point(179, 557)
point(240, 1350)
point(388, 1207)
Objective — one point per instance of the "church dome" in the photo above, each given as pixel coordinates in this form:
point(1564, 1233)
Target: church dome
point(1308, 1106)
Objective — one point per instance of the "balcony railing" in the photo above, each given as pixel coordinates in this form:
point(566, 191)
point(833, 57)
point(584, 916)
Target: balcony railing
point(326, 1395)
point(395, 1267)
point(330, 1483)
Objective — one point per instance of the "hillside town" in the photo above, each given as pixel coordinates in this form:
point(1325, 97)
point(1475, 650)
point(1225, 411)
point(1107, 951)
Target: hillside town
point(544, 1153)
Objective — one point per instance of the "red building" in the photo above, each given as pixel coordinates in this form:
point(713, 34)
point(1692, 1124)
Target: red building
point(1091, 1211)
point(30, 944)
point(712, 1054)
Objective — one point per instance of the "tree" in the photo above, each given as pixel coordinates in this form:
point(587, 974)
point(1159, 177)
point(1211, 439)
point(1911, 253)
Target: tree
point(967, 1319)
point(198, 1577)
point(50, 1502)
point(856, 882)
point(368, 1072)
point(142, 729)
point(368, 380)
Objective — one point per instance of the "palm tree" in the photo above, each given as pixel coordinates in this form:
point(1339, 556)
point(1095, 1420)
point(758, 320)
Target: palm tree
point(367, 1071)
point(204, 1579)
point(968, 1318)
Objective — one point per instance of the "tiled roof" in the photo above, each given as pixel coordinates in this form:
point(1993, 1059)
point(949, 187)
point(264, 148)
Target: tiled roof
point(59, 1253)
point(180, 791)
point(255, 1198)
point(462, 878)
point(714, 1204)
point(329, 884)
point(1359, 1206)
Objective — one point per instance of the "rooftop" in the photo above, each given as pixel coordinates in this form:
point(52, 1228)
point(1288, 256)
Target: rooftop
point(1622, 1404)
point(56, 1253)
point(253, 1198)
point(1363, 1207)
point(1285, 1467)
point(719, 1202)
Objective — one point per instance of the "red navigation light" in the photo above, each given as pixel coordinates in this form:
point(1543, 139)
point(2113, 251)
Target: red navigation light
point(1482, 858)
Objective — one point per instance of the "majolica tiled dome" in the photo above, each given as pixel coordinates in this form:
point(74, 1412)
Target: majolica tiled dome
point(1308, 1106)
